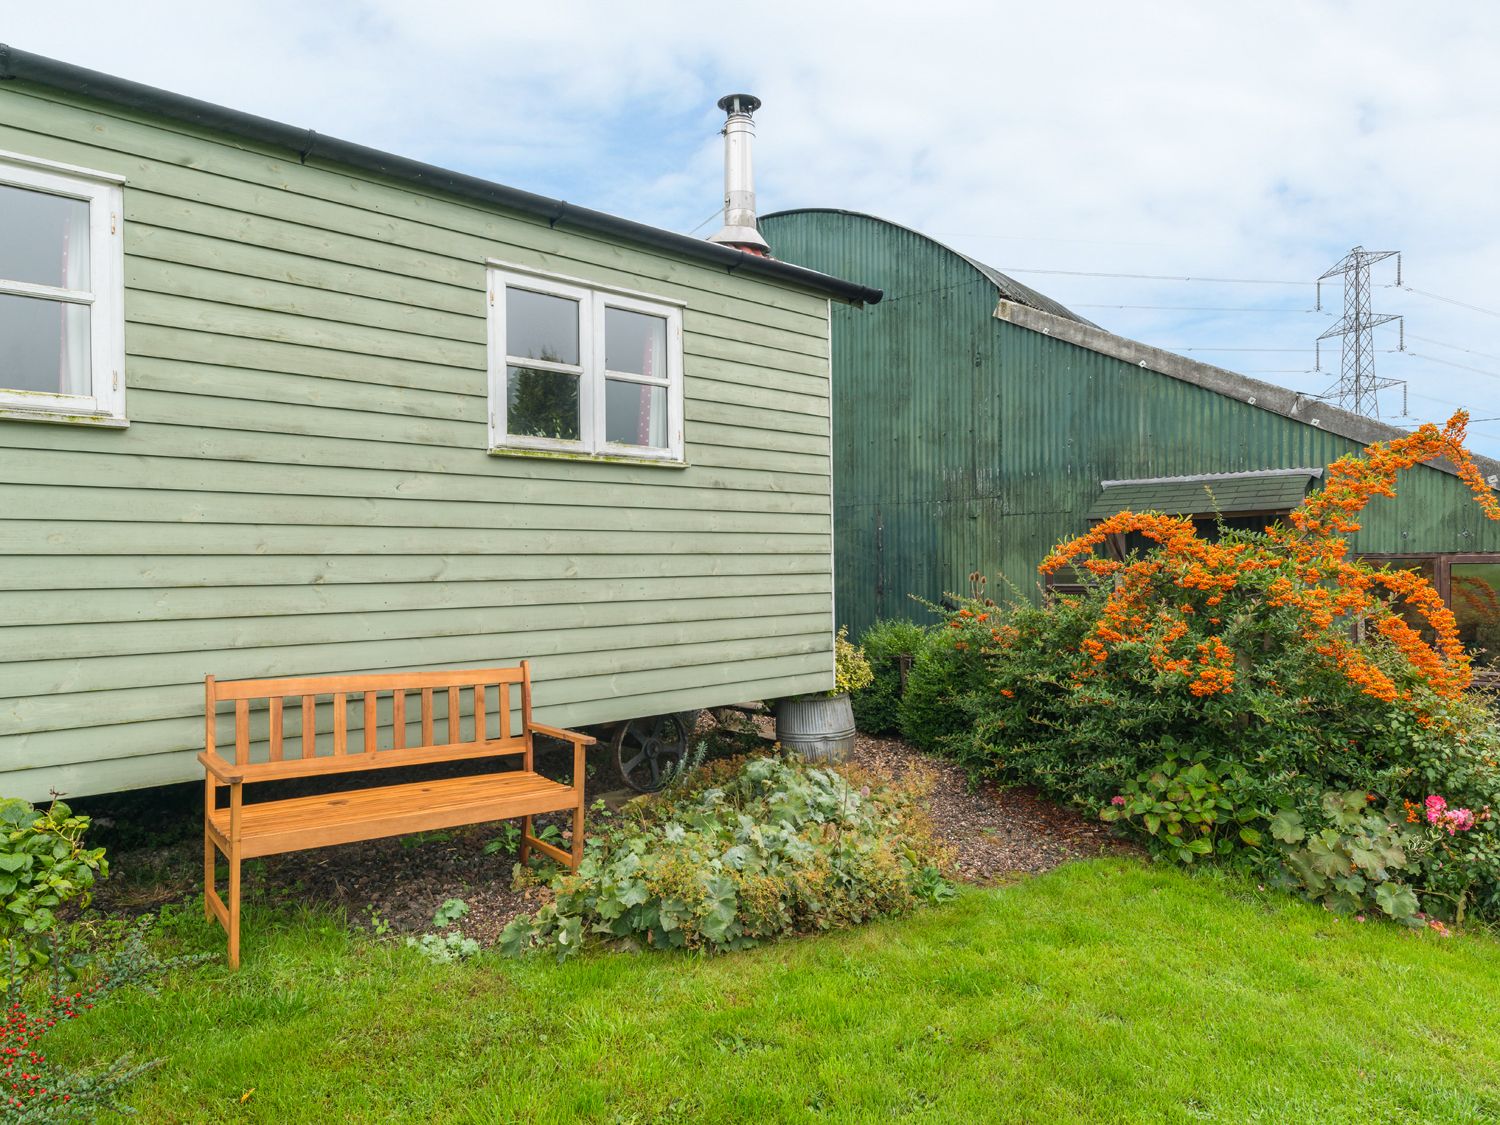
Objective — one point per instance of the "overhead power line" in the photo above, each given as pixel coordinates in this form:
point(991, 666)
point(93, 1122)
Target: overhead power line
point(1448, 300)
point(1455, 347)
point(1198, 308)
point(1450, 363)
point(1157, 277)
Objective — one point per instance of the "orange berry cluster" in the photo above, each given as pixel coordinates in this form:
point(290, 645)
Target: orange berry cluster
point(1152, 595)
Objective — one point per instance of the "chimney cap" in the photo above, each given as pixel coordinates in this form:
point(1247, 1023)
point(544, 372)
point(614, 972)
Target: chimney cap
point(739, 103)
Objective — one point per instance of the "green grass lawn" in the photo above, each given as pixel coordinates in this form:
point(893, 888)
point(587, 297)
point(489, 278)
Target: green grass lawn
point(1104, 991)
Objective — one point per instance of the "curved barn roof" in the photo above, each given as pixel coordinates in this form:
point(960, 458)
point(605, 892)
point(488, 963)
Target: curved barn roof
point(1005, 285)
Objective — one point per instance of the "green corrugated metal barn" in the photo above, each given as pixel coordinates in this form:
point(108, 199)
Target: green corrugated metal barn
point(977, 423)
point(273, 404)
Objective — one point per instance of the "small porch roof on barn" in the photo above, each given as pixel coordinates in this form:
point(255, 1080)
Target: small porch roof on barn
point(1269, 490)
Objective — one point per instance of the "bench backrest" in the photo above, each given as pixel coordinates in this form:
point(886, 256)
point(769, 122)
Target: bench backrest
point(384, 732)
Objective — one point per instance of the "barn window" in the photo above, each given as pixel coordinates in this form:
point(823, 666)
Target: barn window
point(62, 334)
point(1470, 586)
point(583, 369)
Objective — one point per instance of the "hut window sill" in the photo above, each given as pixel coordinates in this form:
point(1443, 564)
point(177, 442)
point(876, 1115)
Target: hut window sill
point(587, 458)
point(97, 419)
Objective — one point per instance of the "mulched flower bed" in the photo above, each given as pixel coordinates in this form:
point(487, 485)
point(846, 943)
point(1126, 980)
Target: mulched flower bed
point(996, 834)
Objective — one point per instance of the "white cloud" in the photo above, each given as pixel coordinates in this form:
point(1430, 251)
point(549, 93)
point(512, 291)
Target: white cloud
point(1177, 138)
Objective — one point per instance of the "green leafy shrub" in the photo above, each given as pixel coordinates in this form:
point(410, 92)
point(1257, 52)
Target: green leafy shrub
point(1356, 860)
point(742, 851)
point(1203, 688)
point(1191, 806)
point(445, 948)
point(877, 707)
point(43, 865)
point(947, 671)
point(851, 671)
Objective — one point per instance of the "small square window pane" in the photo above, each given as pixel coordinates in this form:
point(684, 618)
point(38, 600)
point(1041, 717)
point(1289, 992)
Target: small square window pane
point(44, 238)
point(540, 326)
point(635, 343)
point(44, 346)
point(542, 403)
point(635, 414)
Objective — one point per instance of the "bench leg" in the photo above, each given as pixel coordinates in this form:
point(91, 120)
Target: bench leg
point(525, 849)
point(578, 835)
point(234, 905)
point(209, 862)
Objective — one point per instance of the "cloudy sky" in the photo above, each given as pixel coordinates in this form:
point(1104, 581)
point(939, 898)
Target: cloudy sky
point(1177, 140)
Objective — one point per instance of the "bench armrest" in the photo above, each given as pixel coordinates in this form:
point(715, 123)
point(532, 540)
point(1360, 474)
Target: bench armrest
point(578, 740)
point(226, 772)
point(565, 735)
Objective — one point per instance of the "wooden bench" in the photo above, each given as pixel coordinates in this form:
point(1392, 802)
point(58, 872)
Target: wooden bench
point(382, 708)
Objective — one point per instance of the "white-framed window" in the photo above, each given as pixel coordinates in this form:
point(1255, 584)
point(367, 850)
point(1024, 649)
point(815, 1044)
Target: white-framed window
point(581, 368)
point(62, 277)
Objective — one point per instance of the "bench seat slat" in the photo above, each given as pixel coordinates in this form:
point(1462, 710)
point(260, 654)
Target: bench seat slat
point(314, 822)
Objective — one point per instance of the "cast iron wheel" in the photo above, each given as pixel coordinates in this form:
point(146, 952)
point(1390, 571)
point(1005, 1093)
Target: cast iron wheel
point(645, 748)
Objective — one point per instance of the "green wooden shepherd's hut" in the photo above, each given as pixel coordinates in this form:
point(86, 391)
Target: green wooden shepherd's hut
point(978, 422)
point(276, 404)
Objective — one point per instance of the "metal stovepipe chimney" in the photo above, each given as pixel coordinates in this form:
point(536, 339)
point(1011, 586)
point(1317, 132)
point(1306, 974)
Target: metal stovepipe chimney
point(739, 179)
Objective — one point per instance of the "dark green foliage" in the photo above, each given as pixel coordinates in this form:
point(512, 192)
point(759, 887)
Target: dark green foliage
point(877, 708)
point(543, 403)
point(939, 702)
point(1357, 860)
point(739, 852)
point(43, 865)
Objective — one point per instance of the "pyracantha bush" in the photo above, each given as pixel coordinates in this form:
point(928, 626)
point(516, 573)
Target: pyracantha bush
point(1201, 687)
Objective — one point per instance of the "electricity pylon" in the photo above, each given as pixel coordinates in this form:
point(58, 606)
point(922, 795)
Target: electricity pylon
point(1358, 388)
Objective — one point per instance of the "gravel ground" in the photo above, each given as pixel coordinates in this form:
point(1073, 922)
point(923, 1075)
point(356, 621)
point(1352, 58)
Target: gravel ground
point(996, 835)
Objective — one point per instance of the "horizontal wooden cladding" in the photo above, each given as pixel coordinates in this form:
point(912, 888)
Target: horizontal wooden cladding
point(68, 468)
point(24, 642)
point(375, 681)
point(170, 159)
point(160, 505)
point(773, 446)
point(624, 692)
point(421, 467)
point(79, 572)
point(154, 765)
point(707, 443)
point(401, 309)
point(196, 313)
point(105, 538)
point(305, 485)
point(36, 691)
point(753, 385)
point(228, 600)
point(707, 399)
point(128, 705)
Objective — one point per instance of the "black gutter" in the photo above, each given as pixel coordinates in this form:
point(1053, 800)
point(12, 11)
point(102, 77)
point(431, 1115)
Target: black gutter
point(19, 65)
